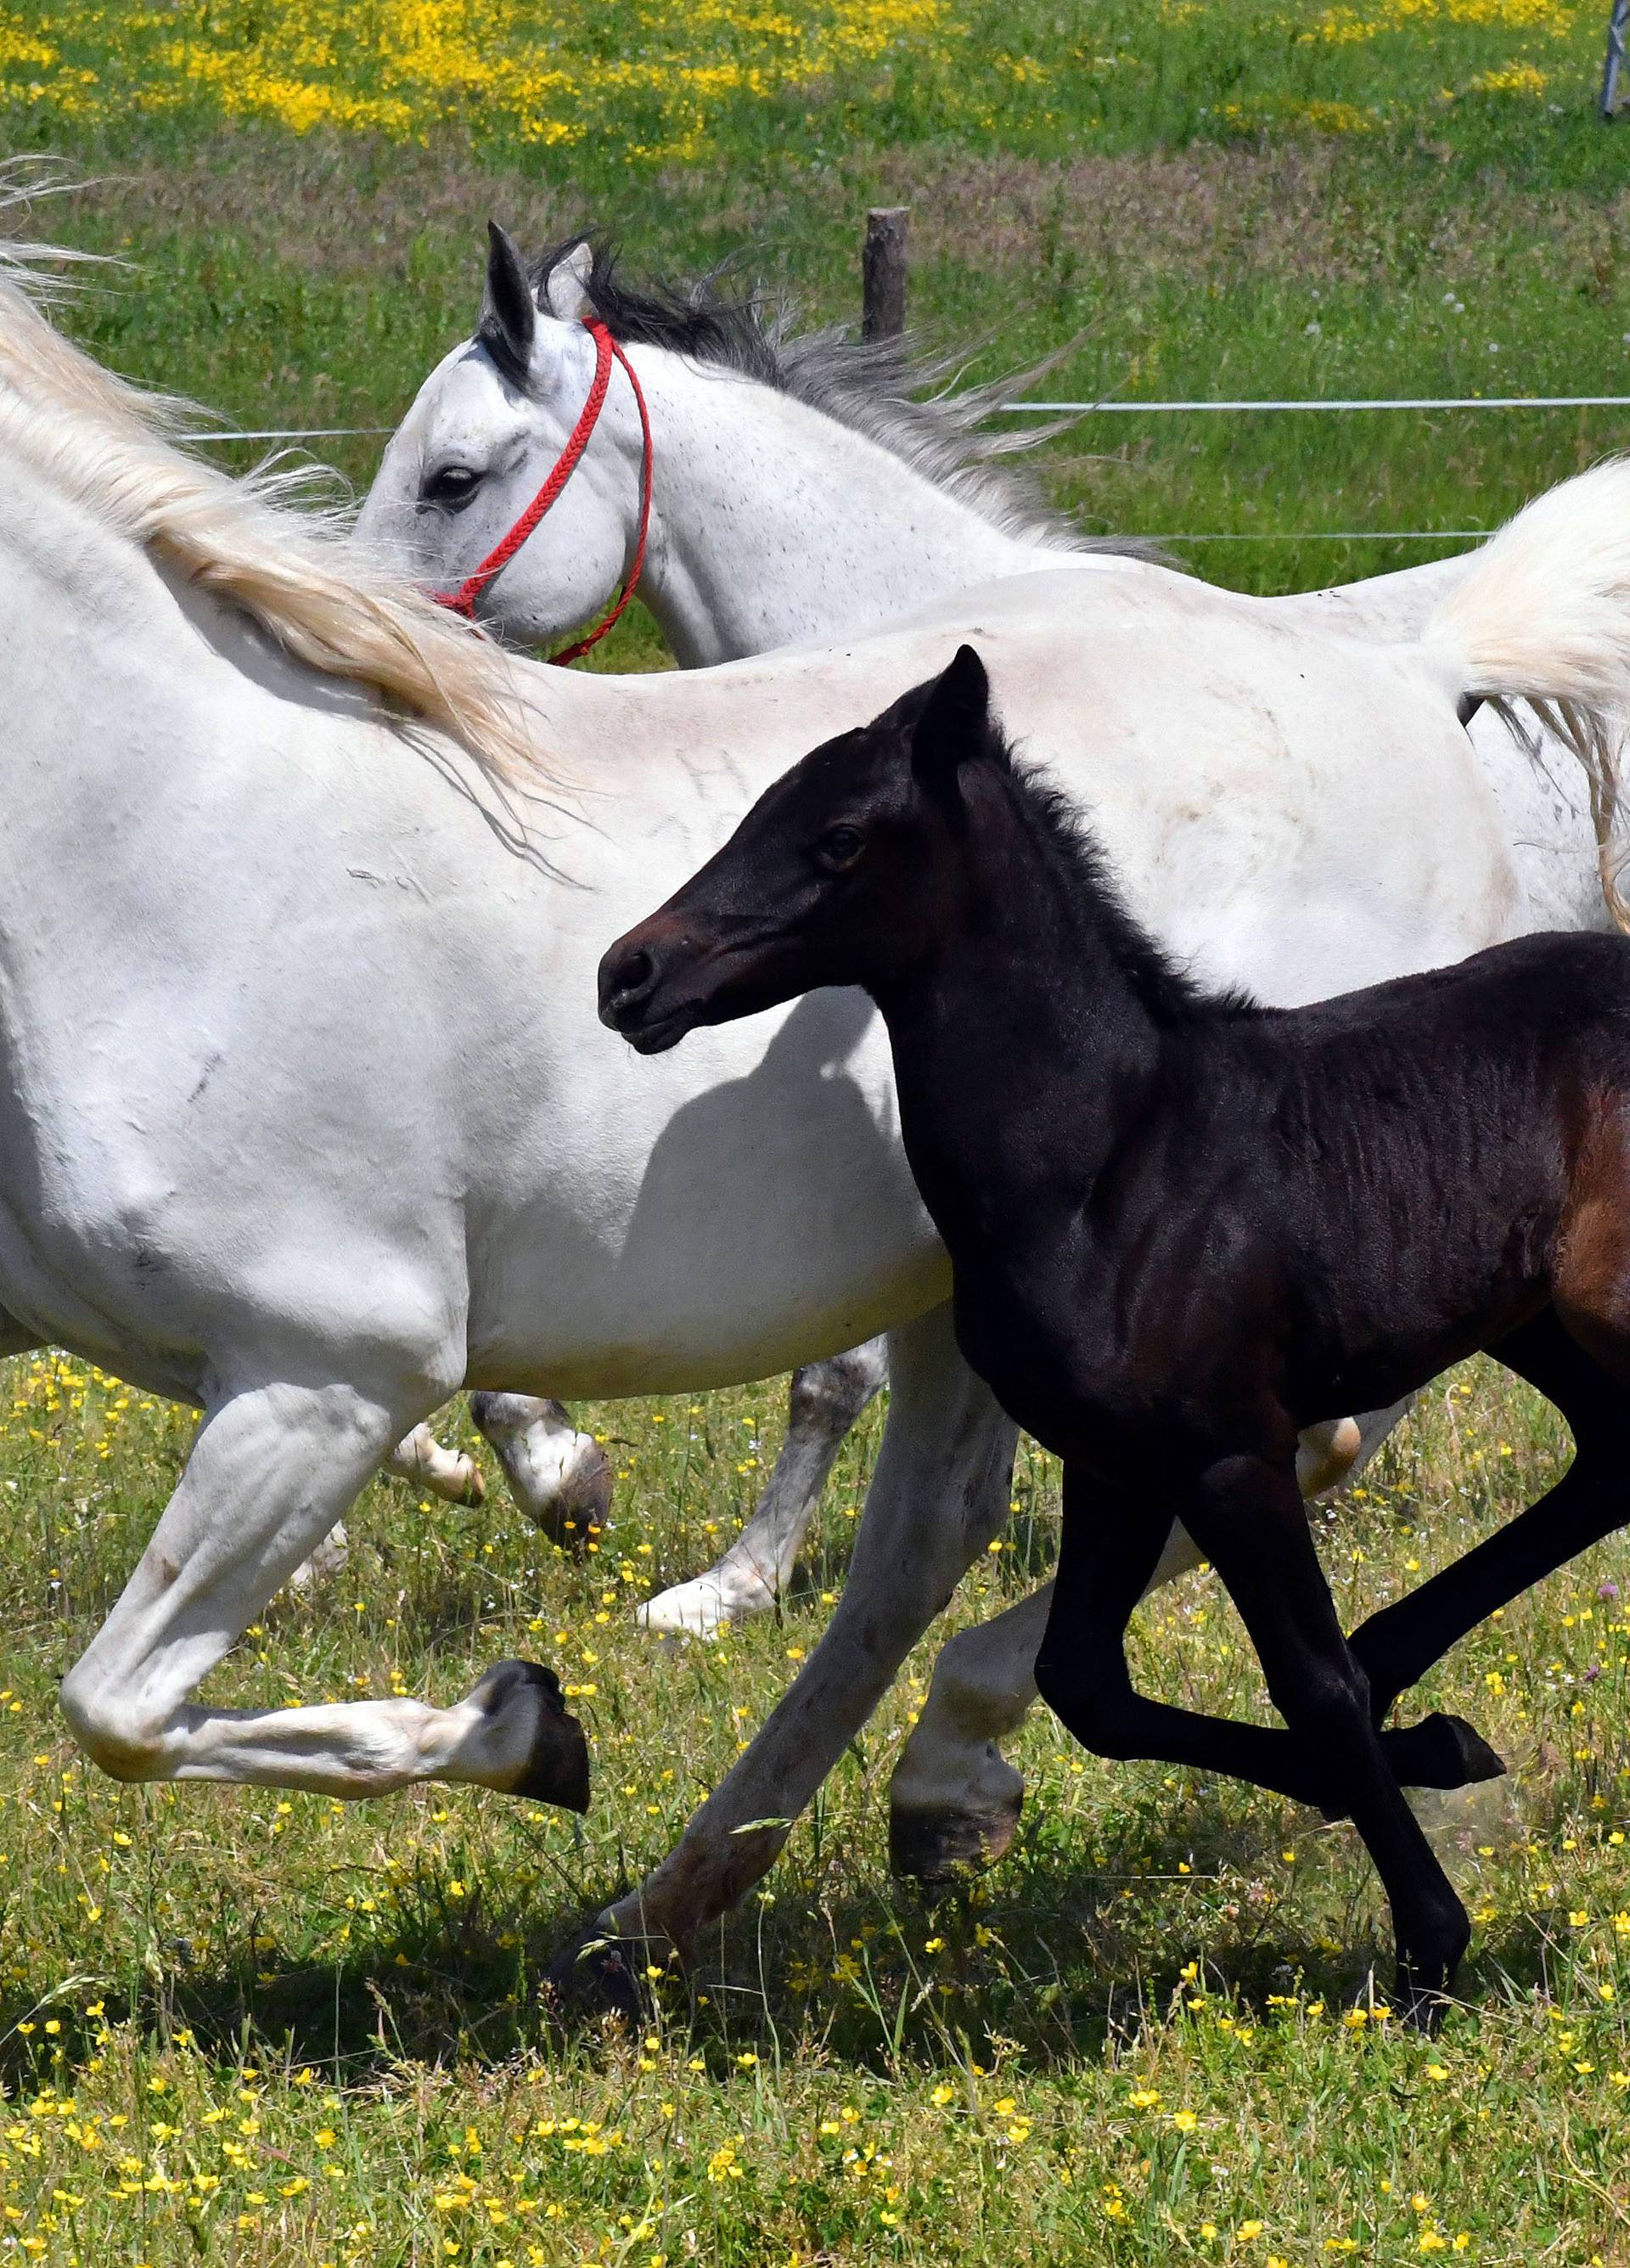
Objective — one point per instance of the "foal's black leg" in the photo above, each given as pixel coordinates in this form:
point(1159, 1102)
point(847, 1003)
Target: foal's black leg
point(1401, 1642)
point(1110, 1549)
point(1256, 1533)
point(1248, 1516)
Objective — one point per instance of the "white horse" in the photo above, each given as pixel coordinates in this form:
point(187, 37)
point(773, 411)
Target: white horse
point(800, 491)
point(271, 833)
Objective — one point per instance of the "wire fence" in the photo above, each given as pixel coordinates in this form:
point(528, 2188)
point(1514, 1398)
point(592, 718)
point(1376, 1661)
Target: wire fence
point(217, 435)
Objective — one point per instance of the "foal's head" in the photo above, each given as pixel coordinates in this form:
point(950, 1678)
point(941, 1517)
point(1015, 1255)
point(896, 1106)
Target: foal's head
point(840, 873)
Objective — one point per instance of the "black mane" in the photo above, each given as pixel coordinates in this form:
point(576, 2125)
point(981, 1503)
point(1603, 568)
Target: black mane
point(697, 319)
point(889, 390)
point(1074, 853)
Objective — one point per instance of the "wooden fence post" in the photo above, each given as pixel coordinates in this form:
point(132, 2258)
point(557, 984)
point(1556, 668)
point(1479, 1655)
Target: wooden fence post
point(882, 273)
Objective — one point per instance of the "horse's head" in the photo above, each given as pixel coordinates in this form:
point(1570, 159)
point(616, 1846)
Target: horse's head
point(843, 873)
point(483, 434)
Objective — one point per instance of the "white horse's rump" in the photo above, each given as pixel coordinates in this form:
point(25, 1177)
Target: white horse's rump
point(217, 1184)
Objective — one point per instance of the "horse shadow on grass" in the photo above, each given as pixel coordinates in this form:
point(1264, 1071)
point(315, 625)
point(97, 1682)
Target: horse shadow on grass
point(1058, 1956)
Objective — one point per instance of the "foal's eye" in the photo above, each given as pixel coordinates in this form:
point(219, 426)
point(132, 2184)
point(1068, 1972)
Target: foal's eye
point(452, 486)
point(839, 847)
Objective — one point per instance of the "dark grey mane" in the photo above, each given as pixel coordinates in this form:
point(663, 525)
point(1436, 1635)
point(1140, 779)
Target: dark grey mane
point(1067, 844)
point(890, 390)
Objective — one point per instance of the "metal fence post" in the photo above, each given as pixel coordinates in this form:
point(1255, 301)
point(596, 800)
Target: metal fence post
point(1611, 70)
point(883, 270)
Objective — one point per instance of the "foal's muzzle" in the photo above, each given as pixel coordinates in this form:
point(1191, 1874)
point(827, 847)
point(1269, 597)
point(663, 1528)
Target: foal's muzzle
point(634, 975)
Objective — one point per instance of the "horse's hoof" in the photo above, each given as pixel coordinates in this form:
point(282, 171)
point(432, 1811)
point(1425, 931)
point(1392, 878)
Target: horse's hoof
point(594, 1976)
point(1418, 2004)
point(1441, 1752)
point(708, 1604)
point(474, 1493)
point(562, 1479)
point(941, 1846)
point(557, 1768)
point(1478, 1760)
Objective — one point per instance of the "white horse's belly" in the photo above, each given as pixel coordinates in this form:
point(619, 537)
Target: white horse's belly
point(734, 1209)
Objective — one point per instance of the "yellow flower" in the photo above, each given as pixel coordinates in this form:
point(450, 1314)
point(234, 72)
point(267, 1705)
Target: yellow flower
point(1184, 2121)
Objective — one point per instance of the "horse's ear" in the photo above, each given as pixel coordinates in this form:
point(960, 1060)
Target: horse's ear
point(564, 292)
point(954, 728)
point(509, 306)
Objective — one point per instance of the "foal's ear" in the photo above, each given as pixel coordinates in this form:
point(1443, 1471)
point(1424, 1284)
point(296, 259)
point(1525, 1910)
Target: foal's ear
point(508, 310)
point(564, 292)
point(954, 728)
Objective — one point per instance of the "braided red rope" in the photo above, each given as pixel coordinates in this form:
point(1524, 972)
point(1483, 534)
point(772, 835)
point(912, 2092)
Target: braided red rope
point(462, 601)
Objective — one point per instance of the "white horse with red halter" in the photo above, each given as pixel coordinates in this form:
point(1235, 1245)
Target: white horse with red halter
point(298, 829)
point(800, 493)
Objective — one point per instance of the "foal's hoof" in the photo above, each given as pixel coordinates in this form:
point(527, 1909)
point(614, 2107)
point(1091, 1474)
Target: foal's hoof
point(557, 1766)
point(1420, 2004)
point(1440, 1751)
point(944, 1846)
point(594, 1976)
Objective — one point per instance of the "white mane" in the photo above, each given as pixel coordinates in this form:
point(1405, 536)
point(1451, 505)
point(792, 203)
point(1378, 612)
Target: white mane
point(110, 447)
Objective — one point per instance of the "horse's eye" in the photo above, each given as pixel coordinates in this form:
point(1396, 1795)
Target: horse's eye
point(452, 486)
point(839, 847)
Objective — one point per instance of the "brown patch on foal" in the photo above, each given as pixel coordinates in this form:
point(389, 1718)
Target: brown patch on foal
point(1591, 1280)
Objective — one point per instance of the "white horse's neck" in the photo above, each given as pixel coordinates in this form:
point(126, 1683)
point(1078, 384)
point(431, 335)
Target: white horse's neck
point(773, 522)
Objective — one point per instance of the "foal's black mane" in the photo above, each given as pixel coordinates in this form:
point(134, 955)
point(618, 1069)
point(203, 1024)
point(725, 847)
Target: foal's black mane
point(872, 385)
point(1073, 853)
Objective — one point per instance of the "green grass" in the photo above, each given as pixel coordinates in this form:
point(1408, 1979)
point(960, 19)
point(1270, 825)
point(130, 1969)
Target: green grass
point(241, 2028)
point(1163, 188)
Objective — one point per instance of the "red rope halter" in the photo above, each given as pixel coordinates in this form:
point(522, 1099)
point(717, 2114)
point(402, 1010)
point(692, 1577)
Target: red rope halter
point(462, 601)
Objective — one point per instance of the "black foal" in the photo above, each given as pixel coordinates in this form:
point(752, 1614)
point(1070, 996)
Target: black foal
point(1182, 1227)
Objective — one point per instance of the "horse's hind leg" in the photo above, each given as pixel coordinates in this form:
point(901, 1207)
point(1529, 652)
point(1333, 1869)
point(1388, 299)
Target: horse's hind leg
point(421, 1461)
point(939, 1492)
point(560, 1478)
point(826, 1398)
point(1401, 1642)
point(270, 1471)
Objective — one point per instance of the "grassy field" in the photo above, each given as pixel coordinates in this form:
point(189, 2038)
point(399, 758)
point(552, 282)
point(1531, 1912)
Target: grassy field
point(235, 2027)
point(246, 2027)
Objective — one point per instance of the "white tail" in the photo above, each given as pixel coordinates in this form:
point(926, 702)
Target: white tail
point(1544, 616)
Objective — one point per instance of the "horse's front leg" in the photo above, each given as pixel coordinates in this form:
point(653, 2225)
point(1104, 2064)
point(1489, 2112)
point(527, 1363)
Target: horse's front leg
point(1248, 1515)
point(271, 1470)
point(826, 1399)
point(938, 1495)
point(423, 1462)
point(955, 1800)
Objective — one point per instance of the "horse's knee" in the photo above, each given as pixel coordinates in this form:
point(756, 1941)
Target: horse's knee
point(1329, 1703)
point(117, 1740)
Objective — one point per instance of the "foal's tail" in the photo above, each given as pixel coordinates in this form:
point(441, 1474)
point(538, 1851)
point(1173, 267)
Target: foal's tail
point(1544, 616)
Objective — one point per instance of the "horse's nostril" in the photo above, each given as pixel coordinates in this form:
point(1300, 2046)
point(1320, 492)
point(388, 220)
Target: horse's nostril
point(637, 975)
point(627, 979)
